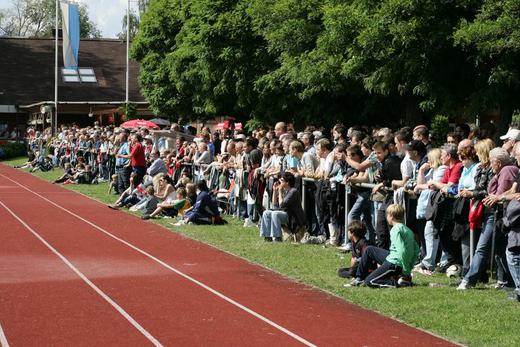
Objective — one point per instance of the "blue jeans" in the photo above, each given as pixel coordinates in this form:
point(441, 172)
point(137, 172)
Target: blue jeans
point(478, 265)
point(251, 212)
point(466, 249)
point(272, 221)
point(123, 178)
point(513, 262)
point(362, 207)
point(431, 240)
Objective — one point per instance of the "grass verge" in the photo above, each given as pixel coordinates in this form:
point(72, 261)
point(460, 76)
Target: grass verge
point(479, 317)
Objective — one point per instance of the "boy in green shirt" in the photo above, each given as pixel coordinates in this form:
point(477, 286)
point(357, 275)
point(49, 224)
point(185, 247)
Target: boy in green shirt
point(394, 264)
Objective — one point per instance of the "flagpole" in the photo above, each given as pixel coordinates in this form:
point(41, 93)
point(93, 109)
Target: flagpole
point(54, 117)
point(127, 48)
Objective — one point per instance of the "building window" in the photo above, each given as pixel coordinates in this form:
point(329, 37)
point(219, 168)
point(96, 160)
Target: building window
point(82, 74)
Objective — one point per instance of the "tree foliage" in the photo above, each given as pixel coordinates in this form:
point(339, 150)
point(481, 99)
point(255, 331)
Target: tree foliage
point(492, 41)
point(328, 60)
point(36, 18)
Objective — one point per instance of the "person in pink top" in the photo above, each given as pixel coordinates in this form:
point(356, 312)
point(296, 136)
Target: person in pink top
point(505, 175)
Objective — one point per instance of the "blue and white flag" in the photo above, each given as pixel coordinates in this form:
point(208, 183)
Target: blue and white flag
point(70, 15)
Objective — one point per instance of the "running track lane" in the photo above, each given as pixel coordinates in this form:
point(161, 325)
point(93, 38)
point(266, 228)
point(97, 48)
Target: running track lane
point(169, 308)
point(307, 312)
point(39, 296)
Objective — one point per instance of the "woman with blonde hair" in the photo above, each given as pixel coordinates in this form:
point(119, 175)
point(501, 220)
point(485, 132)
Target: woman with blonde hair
point(432, 170)
point(482, 178)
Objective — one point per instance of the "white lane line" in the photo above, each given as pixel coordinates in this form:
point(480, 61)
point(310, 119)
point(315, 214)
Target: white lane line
point(178, 272)
point(3, 339)
point(86, 280)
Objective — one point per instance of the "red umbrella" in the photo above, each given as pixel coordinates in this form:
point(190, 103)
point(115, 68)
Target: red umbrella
point(139, 123)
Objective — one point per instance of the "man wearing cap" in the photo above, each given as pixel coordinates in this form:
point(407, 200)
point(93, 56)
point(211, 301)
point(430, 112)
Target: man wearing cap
point(510, 139)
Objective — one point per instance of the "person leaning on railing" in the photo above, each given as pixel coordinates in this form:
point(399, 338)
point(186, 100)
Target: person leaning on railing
point(505, 175)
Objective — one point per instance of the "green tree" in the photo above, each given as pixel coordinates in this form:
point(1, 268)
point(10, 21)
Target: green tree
point(36, 18)
point(200, 58)
point(492, 41)
point(134, 26)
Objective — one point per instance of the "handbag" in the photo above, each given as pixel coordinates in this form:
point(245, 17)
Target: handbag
point(476, 214)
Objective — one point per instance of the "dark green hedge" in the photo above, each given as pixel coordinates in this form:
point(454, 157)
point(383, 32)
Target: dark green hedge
point(12, 150)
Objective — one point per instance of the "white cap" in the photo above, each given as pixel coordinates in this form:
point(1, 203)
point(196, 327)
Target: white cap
point(512, 134)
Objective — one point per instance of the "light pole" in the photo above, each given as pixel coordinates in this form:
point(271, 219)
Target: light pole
point(127, 50)
point(54, 115)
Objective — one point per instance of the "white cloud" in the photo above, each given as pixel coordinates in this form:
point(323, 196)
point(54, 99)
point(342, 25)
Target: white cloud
point(107, 15)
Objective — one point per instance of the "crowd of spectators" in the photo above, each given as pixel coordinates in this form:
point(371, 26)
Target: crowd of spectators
point(397, 202)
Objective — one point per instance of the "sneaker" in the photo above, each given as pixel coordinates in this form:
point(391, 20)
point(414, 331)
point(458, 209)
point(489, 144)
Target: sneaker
point(248, 223)
point(357, 282)
point(464, 285)
point(113, 206)
point(500, 285)
point(404, 281)
point(268, 239)
point(278, 239)
point(316, 240)
point(321, 239)
point(345, 248)
point(180, 223)
point(514, 296)
point(146, 216)
point(305, 238)
point(344, 272)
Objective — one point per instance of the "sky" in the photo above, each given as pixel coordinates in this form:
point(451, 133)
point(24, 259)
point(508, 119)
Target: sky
point(107, 14)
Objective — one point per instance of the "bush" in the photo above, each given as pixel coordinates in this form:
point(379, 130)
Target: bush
point(515, 120)
point(12, 150)
point(440, 128)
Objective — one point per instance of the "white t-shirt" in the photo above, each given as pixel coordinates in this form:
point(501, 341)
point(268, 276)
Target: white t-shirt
point(407, 167)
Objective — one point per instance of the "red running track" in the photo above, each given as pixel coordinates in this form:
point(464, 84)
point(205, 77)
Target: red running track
point(73, 272)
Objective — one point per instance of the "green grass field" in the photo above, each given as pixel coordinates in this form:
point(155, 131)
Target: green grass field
point(479, 317)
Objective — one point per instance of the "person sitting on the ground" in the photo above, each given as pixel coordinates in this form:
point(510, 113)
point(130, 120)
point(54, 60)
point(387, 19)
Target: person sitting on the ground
point(126, 195)
point(288, 209)
point(171, 208)
point(31, 161)
point(67, 175)
point(78, 170)
point(395, 263)
point(356, 235)
point(42, 163)
point(113, 184)
point(205, 210)
point(148, 202)
point(85, 177)
point(165, 189)
point(191, 193)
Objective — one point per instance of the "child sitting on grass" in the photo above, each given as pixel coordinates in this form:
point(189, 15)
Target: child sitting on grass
point(68, 174)
point(395, 266)
point(148, 202)
point(113, 185)
point(356, 235)
point(171, 208)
